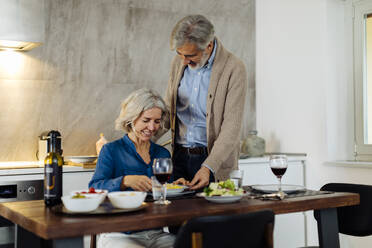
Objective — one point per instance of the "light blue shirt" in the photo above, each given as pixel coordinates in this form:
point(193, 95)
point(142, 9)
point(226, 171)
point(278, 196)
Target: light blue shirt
point(192, 104)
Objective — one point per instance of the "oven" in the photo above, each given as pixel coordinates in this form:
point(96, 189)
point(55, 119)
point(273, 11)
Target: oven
point(17, 191)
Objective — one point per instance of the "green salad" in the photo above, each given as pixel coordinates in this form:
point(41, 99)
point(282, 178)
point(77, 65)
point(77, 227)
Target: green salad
point(223, 188)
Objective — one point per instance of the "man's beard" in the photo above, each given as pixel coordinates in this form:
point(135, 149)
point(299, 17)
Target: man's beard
point(201, 63)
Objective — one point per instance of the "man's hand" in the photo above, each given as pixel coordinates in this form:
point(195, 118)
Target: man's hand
point(136, 182)
point(181, 181)
point(201, 178)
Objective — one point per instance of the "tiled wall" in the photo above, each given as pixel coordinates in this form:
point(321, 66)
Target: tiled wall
point(95, 53)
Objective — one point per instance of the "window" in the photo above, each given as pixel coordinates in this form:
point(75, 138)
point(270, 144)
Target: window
point(363, 79)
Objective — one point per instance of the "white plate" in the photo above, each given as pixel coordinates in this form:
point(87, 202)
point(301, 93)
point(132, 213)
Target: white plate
point(173, 192)
point(186, 192)
point(221, 199)
point(81, 159)
point(272, 188)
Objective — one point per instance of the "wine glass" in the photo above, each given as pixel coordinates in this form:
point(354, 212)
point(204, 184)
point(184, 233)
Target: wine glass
point(162, 169)
point(278, 165)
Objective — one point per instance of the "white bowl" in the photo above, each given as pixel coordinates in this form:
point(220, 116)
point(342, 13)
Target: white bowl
point(81, 159)
point(81, 205)
point(127, 199)
point(101, 193)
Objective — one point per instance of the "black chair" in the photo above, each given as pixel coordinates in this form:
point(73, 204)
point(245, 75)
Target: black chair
point(253, 230)
point(353, 220)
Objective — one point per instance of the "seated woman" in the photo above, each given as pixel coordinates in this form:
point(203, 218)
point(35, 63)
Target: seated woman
point(126, 163)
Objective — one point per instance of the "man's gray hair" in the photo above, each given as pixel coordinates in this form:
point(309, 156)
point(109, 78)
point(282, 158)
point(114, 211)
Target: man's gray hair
point(137, 102)
point(194, 29)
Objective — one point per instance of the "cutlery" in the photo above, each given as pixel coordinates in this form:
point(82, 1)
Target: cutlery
point(277, 195)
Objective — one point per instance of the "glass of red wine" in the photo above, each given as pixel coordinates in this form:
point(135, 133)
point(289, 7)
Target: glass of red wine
point(162, 169)
point(278, 165)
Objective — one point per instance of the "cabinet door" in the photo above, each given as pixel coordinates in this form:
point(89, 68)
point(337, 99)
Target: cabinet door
point(289, 229)
point(261, 173)
point(76, 181)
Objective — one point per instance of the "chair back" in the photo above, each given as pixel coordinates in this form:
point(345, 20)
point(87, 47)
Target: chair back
point(253, 230)
point(353, 220)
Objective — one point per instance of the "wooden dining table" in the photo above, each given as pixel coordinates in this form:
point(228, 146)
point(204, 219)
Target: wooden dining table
point(40, 226)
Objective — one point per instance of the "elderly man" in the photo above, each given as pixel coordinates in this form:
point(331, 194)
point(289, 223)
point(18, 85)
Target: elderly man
point(205, 94)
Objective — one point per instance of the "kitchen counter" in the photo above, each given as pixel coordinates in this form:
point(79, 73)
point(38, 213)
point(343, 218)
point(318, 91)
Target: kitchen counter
point(39, 170)
point(264, 159)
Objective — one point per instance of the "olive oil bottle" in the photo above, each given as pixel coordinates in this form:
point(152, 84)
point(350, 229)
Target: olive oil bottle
point(53, 170)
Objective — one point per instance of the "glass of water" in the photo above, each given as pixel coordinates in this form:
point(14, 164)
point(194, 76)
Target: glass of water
point(237, 177)
point(156, 188)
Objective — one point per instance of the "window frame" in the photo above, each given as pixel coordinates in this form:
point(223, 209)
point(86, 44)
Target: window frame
point(362, 151)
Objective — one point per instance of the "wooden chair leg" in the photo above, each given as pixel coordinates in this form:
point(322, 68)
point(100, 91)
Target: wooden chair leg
point(93, 239)
point(196, 240)
point(269, 230)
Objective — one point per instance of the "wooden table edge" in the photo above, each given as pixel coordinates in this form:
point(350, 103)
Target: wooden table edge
point(290, 205)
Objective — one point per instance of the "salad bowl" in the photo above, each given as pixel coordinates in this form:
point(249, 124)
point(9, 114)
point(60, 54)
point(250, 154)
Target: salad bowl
point(127, 199)
point(222, 192)
point(81, 204)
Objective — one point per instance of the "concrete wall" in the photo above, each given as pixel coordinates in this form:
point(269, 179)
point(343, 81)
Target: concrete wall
point(95, 53)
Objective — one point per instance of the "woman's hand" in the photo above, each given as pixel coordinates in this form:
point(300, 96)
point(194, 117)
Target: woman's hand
point(181, 181)
point(136, 182)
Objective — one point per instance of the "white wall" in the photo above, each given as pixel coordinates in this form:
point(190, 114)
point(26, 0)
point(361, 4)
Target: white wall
point(304, 89)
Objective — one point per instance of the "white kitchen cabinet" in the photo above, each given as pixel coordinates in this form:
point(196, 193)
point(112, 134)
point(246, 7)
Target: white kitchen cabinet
point(290, 229)
point(74, 178)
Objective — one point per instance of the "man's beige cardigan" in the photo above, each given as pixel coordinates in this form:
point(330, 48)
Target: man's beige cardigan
point(225, 109)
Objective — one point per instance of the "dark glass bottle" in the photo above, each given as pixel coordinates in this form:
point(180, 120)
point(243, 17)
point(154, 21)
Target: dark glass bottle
point(53, 170)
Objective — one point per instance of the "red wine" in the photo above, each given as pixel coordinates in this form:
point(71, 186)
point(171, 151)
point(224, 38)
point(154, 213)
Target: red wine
point(279, 172)
point(162, 177)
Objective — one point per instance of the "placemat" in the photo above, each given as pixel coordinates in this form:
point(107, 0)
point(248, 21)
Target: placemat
point(301, 193)
point(308, 192)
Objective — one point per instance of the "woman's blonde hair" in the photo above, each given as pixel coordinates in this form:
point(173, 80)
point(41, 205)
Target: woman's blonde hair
point(137, 102)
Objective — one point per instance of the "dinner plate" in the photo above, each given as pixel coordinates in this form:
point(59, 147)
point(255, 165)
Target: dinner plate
point(185, 193)
point(272, 188)
point(81, 159)
point(173, 192)
point(221, 199)
point(104, 208)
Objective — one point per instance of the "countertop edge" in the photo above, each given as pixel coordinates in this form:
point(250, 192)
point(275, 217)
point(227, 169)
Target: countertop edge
point(265, 159)
point(349, 164)
point(40, 170)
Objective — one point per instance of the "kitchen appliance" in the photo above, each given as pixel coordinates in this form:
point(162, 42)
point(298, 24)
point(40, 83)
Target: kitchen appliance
point(44, 144)
point(17, 191)
point(21, 190)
